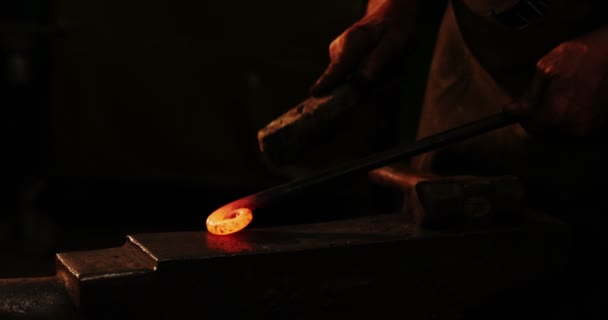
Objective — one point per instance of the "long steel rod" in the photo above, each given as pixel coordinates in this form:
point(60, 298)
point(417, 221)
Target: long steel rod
point(381, 159)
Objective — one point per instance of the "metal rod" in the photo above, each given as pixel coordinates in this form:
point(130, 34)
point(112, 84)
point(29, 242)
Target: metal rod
point(381, 159)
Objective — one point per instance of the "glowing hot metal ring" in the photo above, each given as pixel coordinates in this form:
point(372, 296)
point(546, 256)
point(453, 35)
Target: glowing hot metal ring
point(227, 220)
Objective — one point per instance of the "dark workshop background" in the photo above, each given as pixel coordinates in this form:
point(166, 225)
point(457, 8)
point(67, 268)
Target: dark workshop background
point(137, 116)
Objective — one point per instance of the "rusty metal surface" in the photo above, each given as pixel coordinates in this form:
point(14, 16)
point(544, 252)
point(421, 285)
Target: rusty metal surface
point(101, 266)
point(360, 268)
point(434, 201)
point(113, 262)
point(287, 137)
point(481, 201)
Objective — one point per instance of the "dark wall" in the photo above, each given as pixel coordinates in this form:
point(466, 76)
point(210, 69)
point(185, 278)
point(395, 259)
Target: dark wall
point(178, 89)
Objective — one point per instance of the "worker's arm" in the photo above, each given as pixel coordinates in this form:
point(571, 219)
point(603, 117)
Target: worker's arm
point(370, 44)
point(569, 95)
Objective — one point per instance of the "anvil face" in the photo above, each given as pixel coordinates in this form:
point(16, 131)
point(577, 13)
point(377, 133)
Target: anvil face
point(376, 266)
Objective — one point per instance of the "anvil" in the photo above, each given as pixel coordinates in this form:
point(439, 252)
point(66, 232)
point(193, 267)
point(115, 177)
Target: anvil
point(377, 266)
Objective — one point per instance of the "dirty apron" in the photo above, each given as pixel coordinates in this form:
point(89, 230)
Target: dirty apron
point(479, 66)
point(482, 61)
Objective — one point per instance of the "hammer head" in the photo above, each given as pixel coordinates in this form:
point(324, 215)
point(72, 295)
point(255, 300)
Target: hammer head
point(306, 125)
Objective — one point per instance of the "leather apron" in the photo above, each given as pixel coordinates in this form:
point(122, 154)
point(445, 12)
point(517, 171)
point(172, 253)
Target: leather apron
point(484, 58)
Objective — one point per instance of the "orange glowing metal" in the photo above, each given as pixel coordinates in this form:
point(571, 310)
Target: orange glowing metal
point(230, 218)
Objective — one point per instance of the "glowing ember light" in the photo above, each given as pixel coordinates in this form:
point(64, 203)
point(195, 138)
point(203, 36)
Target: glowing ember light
point(228, 219)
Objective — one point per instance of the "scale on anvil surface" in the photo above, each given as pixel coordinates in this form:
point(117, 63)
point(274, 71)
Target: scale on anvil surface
point(360, 268)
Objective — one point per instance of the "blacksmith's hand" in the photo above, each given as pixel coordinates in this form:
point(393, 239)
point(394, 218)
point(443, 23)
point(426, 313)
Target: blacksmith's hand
point(569, 94)
point(368, 46)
